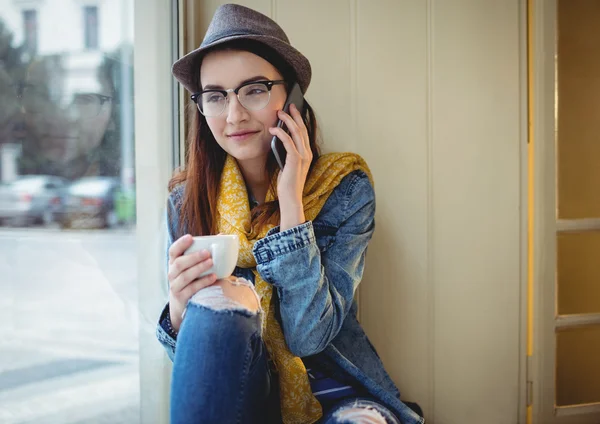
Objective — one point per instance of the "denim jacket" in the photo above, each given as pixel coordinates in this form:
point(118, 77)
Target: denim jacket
point(315, 269)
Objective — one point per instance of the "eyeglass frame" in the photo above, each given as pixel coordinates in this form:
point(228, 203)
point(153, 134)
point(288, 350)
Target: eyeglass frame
point(268, 83)
point(22, 88)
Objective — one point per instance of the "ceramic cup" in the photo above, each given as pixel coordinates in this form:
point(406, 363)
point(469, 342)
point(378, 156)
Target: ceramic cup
point(224, 251)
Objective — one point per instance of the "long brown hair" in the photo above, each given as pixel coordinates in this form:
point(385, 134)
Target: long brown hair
point(205, 160)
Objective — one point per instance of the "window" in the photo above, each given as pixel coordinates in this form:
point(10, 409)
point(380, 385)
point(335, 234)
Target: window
point(90, 26)
point(69, 333)
point(30, 30)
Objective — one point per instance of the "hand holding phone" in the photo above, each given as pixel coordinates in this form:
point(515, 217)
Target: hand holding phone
point(295, 97)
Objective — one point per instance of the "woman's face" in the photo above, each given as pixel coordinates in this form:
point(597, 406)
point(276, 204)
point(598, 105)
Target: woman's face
point(242, 133)
point(68, 116)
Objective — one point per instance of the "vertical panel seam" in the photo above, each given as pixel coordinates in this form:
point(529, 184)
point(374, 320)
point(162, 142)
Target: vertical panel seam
point(524, 410)
point(430, 203)
point(274, 10)
point(353, 4)
point(354, 70)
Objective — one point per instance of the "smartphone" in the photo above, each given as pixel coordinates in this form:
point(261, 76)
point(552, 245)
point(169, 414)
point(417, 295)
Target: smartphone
point(294, 97)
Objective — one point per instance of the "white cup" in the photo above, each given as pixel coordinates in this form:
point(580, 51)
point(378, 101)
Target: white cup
point(224, 250)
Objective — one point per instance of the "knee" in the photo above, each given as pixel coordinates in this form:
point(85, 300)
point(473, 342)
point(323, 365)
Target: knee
point(228, 293)
point(240, 291)
point(360, 415)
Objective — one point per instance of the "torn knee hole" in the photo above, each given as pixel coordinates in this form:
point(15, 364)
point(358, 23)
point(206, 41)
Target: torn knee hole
point(232, 294)
point(358, 415)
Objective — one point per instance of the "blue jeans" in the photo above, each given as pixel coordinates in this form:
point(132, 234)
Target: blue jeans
point(221, 374)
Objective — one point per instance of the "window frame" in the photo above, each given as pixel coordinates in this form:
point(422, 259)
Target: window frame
point(156, 154)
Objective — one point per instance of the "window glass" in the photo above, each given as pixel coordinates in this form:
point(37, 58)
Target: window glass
point(90, 14)
point(30, 30)
point(577, 370)
point(68, 285)
point(578, 84)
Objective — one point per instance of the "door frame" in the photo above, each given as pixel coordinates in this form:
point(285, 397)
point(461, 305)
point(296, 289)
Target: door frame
point(545, 224)
point(542, 89)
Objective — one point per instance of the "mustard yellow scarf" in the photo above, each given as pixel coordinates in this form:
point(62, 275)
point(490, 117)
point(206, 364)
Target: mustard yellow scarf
point(298, 405)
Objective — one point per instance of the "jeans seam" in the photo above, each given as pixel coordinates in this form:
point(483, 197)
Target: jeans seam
point(246, 371)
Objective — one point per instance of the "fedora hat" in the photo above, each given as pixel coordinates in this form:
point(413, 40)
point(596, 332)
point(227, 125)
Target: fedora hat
point(233, 22)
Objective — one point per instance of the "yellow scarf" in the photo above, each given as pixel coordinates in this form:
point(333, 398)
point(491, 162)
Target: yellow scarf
point(298, 405)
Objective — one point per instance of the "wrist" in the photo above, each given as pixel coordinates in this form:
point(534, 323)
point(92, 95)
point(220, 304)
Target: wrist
point(175, 321)
point(291, 216)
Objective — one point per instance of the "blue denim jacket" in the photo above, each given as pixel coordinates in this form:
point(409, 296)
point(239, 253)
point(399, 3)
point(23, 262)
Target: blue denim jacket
point(315, 269)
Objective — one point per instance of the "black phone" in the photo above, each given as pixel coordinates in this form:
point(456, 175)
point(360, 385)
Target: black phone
point(296, 97)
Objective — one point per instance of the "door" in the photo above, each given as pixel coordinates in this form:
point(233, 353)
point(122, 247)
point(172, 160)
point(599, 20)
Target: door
point(568, 352)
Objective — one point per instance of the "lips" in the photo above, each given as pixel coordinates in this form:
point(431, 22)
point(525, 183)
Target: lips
point(241, 133)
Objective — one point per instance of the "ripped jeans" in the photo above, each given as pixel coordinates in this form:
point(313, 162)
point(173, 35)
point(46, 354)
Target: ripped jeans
point(221, 372)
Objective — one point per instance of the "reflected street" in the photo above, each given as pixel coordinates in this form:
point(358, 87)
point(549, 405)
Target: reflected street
point(68, 329)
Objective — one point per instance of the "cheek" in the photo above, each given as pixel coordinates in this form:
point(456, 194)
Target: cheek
point(42, 123)
point(216, 127)
point(103, 121)
point(268, 118)
point(94, 128)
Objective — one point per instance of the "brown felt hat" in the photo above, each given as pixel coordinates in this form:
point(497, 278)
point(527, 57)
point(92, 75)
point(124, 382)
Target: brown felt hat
point(232, 22)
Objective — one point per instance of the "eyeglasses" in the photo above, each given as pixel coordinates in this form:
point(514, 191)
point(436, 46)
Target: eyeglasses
point(81, 105)
point(252, 95)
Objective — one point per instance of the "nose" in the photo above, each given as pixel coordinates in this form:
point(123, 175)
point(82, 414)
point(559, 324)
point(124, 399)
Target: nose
point(235, 111)
point(72, 114)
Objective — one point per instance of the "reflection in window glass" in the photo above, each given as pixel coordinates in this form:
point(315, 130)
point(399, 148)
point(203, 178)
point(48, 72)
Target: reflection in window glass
point(30, 30)
point(68, 292)
point(90, 16)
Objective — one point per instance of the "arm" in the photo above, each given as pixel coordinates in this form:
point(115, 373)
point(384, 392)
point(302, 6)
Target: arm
point(315, 289)
point(164, 331)
point(184, 276)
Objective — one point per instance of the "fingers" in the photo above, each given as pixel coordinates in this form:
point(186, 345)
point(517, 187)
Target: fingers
point(179, 246)
point(297, 129)
point(299, 121)
point(182, 263)
point(178, 300)
point(197, 285)
point(183, 278)
point(287, 141)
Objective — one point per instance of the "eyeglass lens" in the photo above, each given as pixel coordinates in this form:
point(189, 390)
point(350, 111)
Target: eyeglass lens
point(252, 97)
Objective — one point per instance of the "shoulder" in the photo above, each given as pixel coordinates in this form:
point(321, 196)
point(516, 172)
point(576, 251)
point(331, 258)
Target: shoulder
point(175, 198)
point(356, 183)
point(355, 194)
point(174, 203)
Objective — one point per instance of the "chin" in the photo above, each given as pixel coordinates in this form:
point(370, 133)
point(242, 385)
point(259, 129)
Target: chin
point(244, 156)
point(248, 153)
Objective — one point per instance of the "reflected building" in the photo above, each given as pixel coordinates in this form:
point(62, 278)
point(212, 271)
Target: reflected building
point(67, 89)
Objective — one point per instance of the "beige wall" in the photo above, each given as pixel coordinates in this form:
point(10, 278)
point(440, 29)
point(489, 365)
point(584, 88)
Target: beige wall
point(431, 94)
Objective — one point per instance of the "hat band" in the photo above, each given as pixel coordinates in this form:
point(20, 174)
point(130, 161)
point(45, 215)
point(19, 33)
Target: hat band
point(222, 35)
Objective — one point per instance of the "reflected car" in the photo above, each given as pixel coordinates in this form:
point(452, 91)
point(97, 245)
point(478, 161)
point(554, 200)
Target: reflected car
point(90, 203)
point(31, 199)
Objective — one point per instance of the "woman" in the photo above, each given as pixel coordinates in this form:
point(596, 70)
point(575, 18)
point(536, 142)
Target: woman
point(303, 238)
